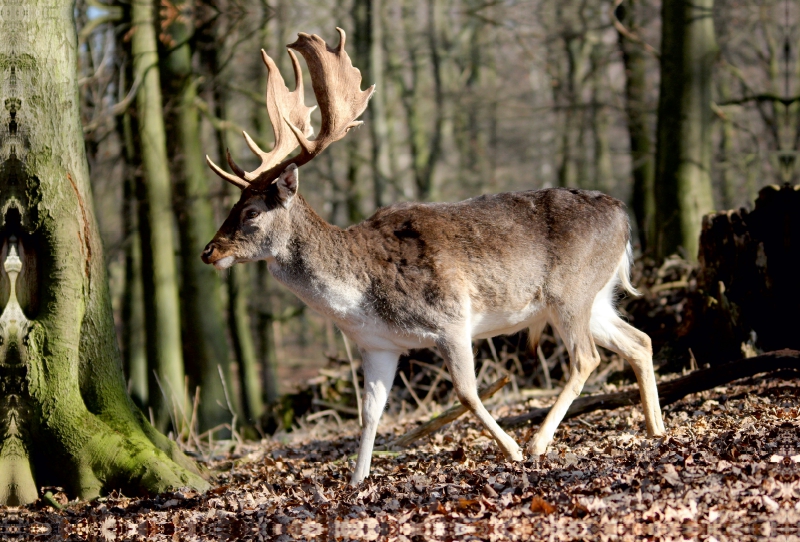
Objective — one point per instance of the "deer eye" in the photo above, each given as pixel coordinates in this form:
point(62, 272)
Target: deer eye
point(251, 214)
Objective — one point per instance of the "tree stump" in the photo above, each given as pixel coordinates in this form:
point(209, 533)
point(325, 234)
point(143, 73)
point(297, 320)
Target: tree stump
point(749, 262)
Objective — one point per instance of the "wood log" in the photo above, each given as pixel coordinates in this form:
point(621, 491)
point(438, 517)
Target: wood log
point(674, 390)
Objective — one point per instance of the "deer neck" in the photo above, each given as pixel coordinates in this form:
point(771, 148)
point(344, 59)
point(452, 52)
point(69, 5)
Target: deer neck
point(318, 265)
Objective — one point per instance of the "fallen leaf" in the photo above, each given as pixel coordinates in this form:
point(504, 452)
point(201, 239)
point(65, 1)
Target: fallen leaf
point(541, 506)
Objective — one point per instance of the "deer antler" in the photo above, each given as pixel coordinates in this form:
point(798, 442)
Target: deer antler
point(337, 87)
point(280, 104)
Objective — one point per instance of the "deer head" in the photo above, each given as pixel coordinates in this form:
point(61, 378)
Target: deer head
point(260, 221)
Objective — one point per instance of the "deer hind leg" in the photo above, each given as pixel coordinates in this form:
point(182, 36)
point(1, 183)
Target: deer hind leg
point(584, 359)
point(457, 353)
point(379, 370)
point(613, 333)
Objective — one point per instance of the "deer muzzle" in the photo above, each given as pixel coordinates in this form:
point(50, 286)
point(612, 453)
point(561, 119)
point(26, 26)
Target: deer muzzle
point(214, 256)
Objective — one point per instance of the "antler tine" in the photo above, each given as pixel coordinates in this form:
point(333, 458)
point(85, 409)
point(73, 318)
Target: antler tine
point(281, 104)
point(236, 181)
point(337, 86)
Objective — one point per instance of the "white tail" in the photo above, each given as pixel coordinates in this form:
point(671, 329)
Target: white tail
point(624, 271)
point(420, 275)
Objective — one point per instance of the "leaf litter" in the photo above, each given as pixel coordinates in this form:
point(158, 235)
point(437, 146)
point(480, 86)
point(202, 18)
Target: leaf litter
point(728, 469)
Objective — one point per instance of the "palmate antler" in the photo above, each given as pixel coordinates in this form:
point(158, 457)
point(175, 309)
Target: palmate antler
point(337, 87)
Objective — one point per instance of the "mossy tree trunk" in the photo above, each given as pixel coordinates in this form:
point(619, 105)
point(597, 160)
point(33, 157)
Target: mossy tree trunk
point(207, 354)
point(684, 142)
point(66, 417)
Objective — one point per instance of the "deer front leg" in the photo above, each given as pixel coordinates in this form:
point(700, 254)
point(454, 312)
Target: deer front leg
point(379, 370)
point(457, 353)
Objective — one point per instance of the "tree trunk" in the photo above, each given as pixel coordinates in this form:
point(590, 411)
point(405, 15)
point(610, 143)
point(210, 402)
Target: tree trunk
point(205, 342)
point(66, 418)
point(377, 109)
point(238, 290)
point(683, 153)
point(133, 326)
point(243, 346)
point(266, 340)
point(642, 164)
point(425, 147)
point(748, 277)
point(603, 170)
point(164, 349)
point(571, 171)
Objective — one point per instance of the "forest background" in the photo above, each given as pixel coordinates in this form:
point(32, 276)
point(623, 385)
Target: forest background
point(677, 110)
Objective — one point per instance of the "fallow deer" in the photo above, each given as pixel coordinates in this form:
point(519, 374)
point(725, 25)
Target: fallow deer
point(420, 275)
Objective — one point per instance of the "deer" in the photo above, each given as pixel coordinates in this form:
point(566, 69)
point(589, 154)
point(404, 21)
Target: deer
point(422, 275)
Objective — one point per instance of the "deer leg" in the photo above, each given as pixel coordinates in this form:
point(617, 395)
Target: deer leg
point(584, 359)
point(633, 345)
point(379, 370)
point(457, 355)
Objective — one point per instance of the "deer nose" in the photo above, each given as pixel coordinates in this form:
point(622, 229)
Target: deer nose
point(208, 252)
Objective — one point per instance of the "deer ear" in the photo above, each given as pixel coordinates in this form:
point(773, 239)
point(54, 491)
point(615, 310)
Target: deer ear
point(287, 184)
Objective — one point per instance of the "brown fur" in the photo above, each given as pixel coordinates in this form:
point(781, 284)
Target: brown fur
point(439, 274)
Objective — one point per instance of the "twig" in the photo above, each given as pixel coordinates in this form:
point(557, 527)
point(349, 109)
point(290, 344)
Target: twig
point(118, 108)
point(432, 389)
point(674, 390)
point(446, 417)
point(675, 285)
point(493, 350)
point(432, 367)
point(623, 30)
point(355, 378)
point(419, 402)
point(232, 410)
point(330, 412)
point(545, 368)
point(350, 411)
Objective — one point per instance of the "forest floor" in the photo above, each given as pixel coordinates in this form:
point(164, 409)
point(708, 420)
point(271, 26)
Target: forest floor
point(728, 469)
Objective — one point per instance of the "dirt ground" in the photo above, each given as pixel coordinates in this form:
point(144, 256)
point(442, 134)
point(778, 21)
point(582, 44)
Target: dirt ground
point(729, 469)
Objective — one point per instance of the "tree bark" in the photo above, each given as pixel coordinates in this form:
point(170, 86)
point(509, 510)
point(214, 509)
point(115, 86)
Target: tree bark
point(642, 161)
point(425, 143)
point(134, 340)
point(603, 170)
point(748, 276)
point(238, 285)
point(243, 344)
point(205, 343)
point(66, 417)
point(368, 38)
point(684, 146)
point(164, 349)
point(266, 342)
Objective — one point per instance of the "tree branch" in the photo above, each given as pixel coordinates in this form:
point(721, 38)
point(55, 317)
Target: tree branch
point(674, 390)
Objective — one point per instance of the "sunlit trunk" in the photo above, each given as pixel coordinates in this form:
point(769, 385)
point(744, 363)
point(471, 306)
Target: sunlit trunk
point(66, 418)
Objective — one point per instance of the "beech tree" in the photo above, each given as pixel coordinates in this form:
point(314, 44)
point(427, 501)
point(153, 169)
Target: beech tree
point(684, 145)
point(66, 417)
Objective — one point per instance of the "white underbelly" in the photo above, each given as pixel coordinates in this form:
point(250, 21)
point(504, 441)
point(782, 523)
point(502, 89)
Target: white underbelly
point(498, 322)
point(371, 333)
